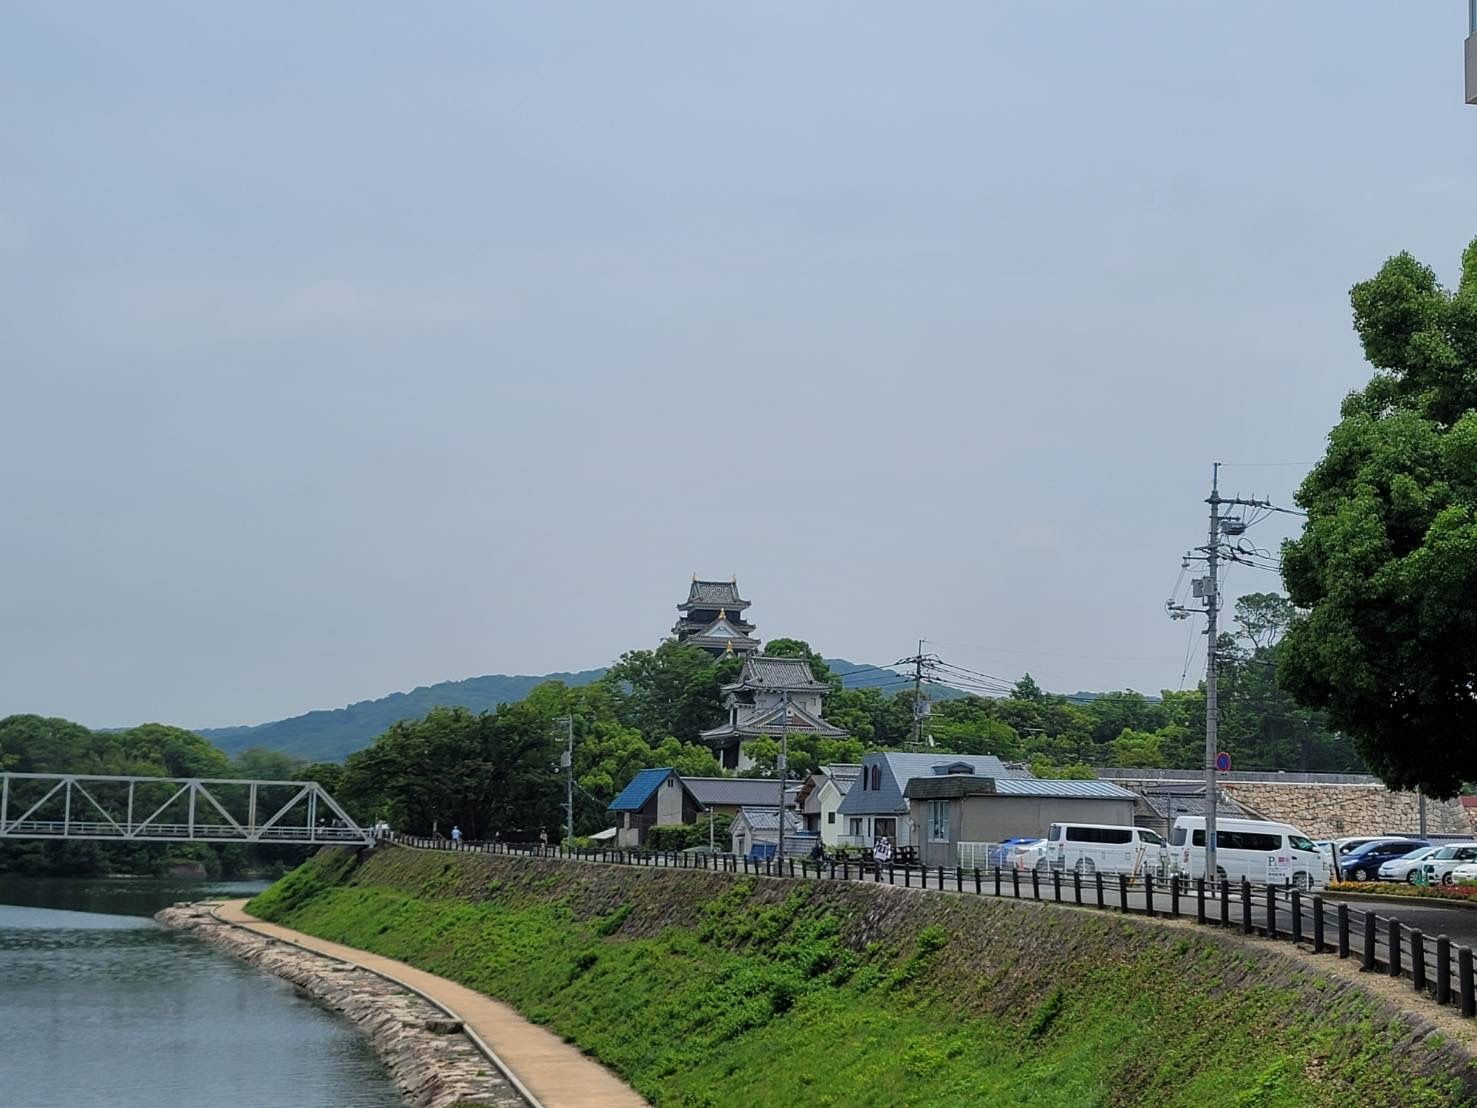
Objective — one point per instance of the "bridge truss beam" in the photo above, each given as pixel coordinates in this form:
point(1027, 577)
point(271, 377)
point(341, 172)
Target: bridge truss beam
point(197, 810)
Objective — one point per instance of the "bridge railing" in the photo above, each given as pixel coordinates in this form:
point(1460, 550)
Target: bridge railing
point(1435, 967)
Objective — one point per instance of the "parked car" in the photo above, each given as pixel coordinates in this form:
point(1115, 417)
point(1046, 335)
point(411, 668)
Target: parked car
point(1363, 863)
point(1464, 874)
point(1096, 847)
point(1258, 850)
point(1407, 868)
point(1439, 866)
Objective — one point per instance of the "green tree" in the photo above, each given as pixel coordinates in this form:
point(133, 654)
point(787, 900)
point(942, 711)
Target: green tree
point(672, 690)
point(1027, 689)
point(1385, 570)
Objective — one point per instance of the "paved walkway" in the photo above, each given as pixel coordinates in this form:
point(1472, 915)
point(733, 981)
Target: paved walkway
point(557, 1074)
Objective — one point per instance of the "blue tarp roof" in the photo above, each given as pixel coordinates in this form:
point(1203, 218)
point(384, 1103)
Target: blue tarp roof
point(639, 791)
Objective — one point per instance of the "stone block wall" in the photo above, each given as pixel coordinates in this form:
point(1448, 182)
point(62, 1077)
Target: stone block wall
point(1333, 811)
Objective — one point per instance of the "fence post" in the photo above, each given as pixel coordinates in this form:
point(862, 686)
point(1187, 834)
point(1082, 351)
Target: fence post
point(1343, 924)
point(1417, 959)
point(1317, 925)
point(1464, 981)
point(1369, 926)
point(1099, 875)
point(1271, 911)
point(1174, 896)
point(1148, 893)
point(1393, 942)
point(977, 881)
point(1443, 970)
point(1123, 892)
point(997, 880)
point(959, 879)
point(1035, 883)
point(1245, 906)
point(1199, 900)
point(1077, 884)
point(1056, 884)
point(907, 875)
point(941, 879)
point(891, 874)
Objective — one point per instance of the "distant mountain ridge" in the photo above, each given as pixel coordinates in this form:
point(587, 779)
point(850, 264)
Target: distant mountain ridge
point(332, 734)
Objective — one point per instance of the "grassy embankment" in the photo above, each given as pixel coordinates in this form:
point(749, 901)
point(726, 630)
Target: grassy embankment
point(711, 990)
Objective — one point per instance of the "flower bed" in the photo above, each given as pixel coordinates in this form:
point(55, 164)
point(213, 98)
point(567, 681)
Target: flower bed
point(1399, 888)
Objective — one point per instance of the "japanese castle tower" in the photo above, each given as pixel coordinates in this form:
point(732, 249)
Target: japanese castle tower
point(771, 696)
point(712, 618)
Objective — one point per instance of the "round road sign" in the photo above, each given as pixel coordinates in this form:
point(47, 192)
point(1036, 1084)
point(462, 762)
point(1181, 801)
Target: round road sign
point(1223, 762)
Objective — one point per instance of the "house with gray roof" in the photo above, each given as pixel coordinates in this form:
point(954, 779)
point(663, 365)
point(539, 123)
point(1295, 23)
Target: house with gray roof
point(726, 795)
point(819, 797)
point(875, 806)
point(712, 619)
point(952, 806)
point(771, 696)
point(755, 829)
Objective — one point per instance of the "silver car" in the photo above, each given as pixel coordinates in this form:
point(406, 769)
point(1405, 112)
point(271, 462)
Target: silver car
point(1406, 868)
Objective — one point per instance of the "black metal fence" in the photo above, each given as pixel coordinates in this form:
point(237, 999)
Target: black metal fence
point(1381, 943)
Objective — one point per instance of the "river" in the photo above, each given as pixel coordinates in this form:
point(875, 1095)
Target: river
point(99, 1005)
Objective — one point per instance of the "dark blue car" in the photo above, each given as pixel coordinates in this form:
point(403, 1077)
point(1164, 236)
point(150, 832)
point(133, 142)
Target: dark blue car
point(1364, 863)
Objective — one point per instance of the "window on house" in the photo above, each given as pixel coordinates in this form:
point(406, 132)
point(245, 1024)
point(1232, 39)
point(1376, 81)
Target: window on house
point(830, 817)
point(670, 782)
point(938, 821)
point(876, 778)
point(856, 826)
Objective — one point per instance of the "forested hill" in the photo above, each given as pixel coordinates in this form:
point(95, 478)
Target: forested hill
point(331, 735)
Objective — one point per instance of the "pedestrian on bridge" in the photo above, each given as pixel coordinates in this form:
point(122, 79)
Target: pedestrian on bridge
point(456, 833)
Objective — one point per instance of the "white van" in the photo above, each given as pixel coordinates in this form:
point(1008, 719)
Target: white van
point(1262, 852)
point(1087, 848)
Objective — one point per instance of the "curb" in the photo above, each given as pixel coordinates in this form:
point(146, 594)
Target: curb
point(1386, 898)
point(475, 1039)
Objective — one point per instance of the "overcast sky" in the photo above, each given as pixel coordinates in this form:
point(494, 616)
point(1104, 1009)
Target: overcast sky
point(353, 347)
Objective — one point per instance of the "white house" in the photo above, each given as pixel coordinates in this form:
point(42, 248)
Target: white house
point(819, 798)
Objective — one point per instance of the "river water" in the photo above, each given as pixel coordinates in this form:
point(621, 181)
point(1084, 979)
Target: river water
point(99, 1005)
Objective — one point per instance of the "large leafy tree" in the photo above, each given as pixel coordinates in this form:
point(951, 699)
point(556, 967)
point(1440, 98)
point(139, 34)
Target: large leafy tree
point(1385, 571)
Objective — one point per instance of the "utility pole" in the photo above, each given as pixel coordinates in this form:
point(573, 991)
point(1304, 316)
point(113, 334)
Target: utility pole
point(567, 761)
point(1208, 590)
point(918, 696)
point(781, 765)
point(1212, 708)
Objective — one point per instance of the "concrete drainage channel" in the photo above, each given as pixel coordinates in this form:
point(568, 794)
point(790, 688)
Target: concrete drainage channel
point(435, 1060)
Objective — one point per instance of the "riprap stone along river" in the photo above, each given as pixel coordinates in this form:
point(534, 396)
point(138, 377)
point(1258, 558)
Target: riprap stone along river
point(101, 1005)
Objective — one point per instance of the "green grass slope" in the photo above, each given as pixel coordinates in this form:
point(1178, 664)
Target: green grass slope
point(715, 990)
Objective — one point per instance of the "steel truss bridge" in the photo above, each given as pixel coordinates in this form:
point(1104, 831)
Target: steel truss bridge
point(171, 809)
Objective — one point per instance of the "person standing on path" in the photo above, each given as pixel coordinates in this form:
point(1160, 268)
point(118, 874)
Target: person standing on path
point(456, 833)
point(543, 836)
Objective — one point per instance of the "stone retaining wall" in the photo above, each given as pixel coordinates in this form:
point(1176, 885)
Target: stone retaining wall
point(434, 1065)
point(1332, 811)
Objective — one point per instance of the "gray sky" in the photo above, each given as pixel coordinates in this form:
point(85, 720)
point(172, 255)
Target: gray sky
point(354, 347)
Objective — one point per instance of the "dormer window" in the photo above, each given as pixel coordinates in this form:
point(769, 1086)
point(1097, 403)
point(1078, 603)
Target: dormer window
point(876, 778)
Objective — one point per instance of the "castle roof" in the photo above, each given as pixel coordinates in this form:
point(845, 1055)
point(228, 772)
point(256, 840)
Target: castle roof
point(764, 671)
point(714, 594)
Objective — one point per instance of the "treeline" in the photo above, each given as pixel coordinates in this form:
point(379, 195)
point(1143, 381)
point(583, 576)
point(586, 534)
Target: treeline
point(499, 773)
point(35, 744)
